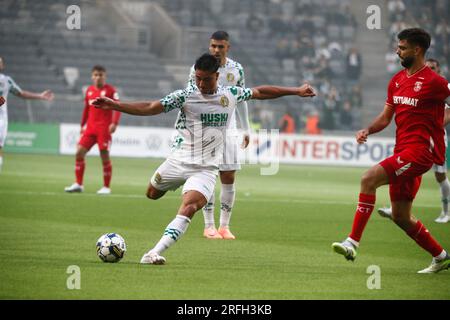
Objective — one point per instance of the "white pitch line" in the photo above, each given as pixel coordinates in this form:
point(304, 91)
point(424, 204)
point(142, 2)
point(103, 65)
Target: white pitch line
point(243, 199)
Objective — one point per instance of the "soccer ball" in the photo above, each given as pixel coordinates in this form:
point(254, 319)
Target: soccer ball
point(111, 247)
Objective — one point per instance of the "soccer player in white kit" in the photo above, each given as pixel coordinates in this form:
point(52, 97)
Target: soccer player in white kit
point(440, 172)
point(8, 85)
point(231, 73)
point(206, 110)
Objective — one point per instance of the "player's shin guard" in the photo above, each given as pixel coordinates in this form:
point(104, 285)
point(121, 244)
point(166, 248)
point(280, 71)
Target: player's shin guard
point(445, 192)
point(173, 232)
point(422, 236)
point(107, 173)
point(208, 212)
point(363, 211)
point(227, 196)
point(79, 171)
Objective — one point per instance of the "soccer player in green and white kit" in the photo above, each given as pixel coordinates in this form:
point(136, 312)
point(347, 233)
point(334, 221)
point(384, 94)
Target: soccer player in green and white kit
point(8, 85)
point(231, 73)
point(440, 172)
point(206, 110)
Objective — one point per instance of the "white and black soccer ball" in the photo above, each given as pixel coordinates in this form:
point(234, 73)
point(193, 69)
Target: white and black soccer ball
point(111, 247)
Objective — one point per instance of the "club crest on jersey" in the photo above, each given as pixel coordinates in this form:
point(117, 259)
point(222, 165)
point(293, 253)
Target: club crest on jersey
point(230, 77)
point(224, 101)
point(157, 177)
point(417, 86)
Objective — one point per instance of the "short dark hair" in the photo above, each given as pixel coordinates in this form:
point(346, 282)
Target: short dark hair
point(416, 36)
point(207, 62)
point(220, 35)
point(98, 68)
point(434, 61)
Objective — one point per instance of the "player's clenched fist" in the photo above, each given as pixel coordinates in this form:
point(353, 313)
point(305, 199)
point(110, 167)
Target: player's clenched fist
point(361, 136)
point(104, 103)
point(306, 91)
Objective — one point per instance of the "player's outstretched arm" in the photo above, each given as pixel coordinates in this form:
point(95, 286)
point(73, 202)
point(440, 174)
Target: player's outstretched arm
point(147, 108)
point(44, 95)
point(380, 122)
point(273, 92)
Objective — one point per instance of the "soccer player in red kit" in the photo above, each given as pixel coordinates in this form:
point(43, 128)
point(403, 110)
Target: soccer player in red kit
point(100, 125)
point(416, 96)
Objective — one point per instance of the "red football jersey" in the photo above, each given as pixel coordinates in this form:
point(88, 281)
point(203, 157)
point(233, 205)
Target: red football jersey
point(95, 117)
point(419, 101)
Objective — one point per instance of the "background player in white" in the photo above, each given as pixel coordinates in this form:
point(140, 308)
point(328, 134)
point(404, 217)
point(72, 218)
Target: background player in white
point(8, 85)
point(440, 172)
point(206, 110)
point(231, 73)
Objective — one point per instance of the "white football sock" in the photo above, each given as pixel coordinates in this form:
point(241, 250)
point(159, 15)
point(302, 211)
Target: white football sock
point(173, 232)
point(445, 192)
point(1, 163)
point(208, 212)
point(227, 196)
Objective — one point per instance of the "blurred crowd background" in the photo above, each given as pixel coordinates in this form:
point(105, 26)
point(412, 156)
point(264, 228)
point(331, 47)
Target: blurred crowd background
point(148, 47)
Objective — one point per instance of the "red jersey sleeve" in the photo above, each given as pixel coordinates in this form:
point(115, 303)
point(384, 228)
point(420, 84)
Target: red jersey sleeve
point(85, 115)
point(442, 89)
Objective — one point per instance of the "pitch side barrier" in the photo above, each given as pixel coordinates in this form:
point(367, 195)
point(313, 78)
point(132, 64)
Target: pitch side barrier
point(266, 146)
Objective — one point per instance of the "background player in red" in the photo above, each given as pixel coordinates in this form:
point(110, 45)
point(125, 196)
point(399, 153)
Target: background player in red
point(416, 96)
point(100, 125)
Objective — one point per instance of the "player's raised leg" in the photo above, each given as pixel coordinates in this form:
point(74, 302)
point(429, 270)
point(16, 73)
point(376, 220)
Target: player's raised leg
point(371, 180)
point(80, 165)
point(401, 215)
point(191, 203)
point(227, 197)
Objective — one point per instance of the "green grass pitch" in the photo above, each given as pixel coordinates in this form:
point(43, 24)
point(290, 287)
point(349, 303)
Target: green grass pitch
point(284, 224)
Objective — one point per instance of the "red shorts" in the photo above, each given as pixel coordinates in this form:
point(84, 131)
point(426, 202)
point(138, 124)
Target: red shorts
point(405, 170)
point(100, 136)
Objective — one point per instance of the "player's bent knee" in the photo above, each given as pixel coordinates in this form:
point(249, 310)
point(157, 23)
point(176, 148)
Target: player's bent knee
point(154, 194)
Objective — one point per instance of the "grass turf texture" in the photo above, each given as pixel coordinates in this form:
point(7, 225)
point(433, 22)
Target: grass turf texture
point(284, 224)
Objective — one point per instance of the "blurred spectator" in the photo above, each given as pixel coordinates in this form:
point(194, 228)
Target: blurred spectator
point(312, 123)
point(255, 24)
point(346, 116)
point(354, 64)
point(392, 61)
point(356, 97)
point(287, 123)
point(396, 9)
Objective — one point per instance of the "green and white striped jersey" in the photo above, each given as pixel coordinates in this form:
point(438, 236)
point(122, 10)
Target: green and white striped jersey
point(203, 122)
point(7, 85)
point(230, 74)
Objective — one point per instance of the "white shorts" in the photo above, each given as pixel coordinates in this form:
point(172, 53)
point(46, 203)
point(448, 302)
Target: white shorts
point(3, 130)
point(172, 174)
point(230, 160)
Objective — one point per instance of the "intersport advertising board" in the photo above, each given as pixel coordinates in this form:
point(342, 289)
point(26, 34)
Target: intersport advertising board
point(265, 146)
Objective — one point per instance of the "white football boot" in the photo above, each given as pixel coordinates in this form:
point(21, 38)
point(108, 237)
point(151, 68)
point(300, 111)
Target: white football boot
point(104, 190)
point(437, 266)
point(74, 188)
point(443, 218)
point(153, 258)
point(385, 212)
point(346, 248)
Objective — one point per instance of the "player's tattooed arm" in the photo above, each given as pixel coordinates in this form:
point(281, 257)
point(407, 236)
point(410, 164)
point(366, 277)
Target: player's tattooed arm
point(380, 122)
point(144, 108)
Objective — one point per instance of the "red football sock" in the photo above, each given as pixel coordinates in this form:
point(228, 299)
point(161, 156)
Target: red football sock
point(79, 171)
point(422, 236)
point(107, 173)
point(363, 211)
